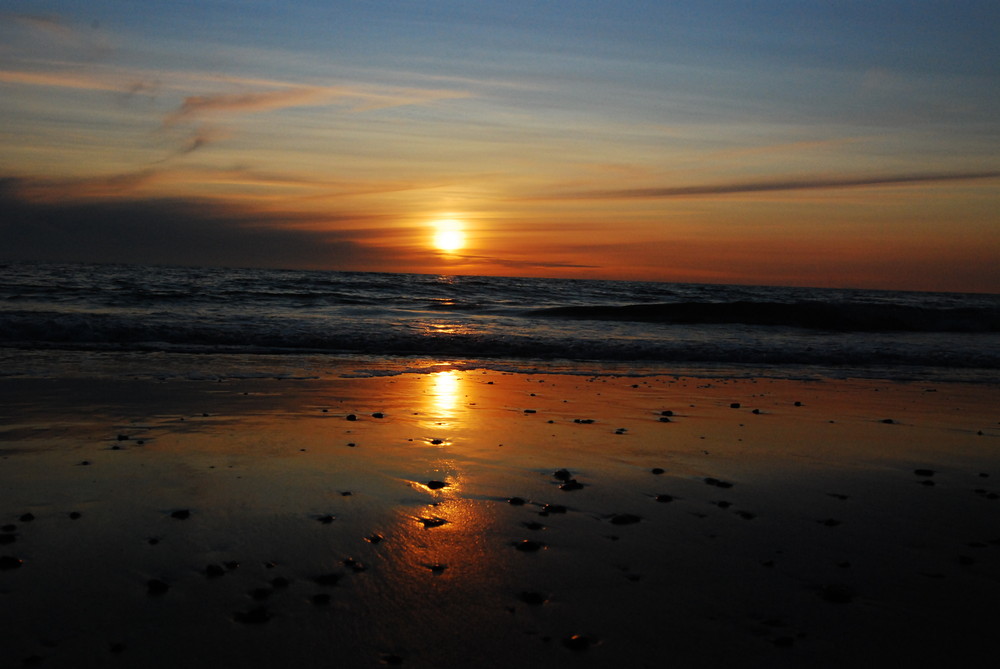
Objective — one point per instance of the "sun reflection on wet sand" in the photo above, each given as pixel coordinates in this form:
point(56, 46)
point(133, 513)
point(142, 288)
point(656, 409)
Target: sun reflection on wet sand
point(443, 391)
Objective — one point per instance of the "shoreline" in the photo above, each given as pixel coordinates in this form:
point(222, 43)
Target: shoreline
point(817, 523)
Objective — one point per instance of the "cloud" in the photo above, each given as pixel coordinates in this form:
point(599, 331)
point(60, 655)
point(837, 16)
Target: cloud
point(166, 232)
point(507, 262)
point(801, 183)
point(197, 106)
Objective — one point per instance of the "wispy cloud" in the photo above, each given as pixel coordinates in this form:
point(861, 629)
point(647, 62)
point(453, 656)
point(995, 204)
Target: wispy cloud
point(765, 186)
point(520, 264)
point(197, 106)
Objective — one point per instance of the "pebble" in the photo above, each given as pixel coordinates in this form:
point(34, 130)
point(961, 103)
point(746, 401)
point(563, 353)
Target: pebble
point(529, 546)
point(321, 599)
point(436, 485)
point(717, 483)
point(657, 470)
point(578, 642)
point(837, 593)
point(155, 586)
point(553, 508)
point(571, 484)
point(27, 517)
point(255, 616)
point(351, 417)
point(533, 598)
point(664, 498)
point(326, 520)
point(924, 472)
point(75, 515)
point(516, 501)
point(181, 514)
point(432, 522)
point(562, 475)
point(378, 414)
point(625, 519)
point(214, 571)
point(8, 562)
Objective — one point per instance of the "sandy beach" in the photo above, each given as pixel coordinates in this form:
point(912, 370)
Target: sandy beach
point(481, 518)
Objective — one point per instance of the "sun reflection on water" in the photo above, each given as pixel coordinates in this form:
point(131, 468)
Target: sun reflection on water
point(443, 391)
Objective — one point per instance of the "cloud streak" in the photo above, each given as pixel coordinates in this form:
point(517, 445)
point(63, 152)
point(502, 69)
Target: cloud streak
point(770, 186)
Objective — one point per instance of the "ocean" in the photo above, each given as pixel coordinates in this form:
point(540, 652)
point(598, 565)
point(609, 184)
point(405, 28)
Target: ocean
point(60, 320)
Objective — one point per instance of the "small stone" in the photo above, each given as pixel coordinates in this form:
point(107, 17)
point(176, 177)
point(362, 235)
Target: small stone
point(657, 470)
point(8, 562)
point(437, 442)
point(664, 419)
point(531, 525)
point(351, 417)
point(717, 483)
point(75, 515)
point(374, 538)
point(734, 405)
point(432, 522)
point(562, 475)
point(578, 642)
point(155, 586)
point(378, 414)
point(924, 472)
point(280, 582)
point(516, 501)
point(181, 514)
point(756, 412)
point(27, 517)
point(354, 565)
point(571, 484)
point(255, 616)
point(326, 520)
point(437, 567)
point(214, 571)
point(123, 437)
point(888, 421)
point(553, 508)
point(664, 498)
point(532, 598)
point(529, 546)
point(667, 412)
point(321, 599)
point(530, 411)
point(837, 593)
point(436, 485)
point(625, 519)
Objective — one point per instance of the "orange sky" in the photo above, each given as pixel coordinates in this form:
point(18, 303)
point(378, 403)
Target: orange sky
point(846, 146)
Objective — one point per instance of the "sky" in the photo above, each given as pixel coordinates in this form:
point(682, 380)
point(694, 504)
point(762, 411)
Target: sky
point(808, 142)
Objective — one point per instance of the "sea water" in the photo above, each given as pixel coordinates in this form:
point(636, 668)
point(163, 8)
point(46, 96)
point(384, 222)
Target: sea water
point(59, 319)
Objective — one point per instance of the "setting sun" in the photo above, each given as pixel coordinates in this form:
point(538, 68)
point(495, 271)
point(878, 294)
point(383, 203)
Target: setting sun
point(449, 236)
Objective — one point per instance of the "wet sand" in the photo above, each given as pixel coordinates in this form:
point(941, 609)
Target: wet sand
point(474, 518)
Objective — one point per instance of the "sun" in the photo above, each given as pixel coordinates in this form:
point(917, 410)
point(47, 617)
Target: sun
point(448, 236)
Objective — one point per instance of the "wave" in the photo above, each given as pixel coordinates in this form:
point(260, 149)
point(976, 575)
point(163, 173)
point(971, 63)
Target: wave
point(846, 317)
